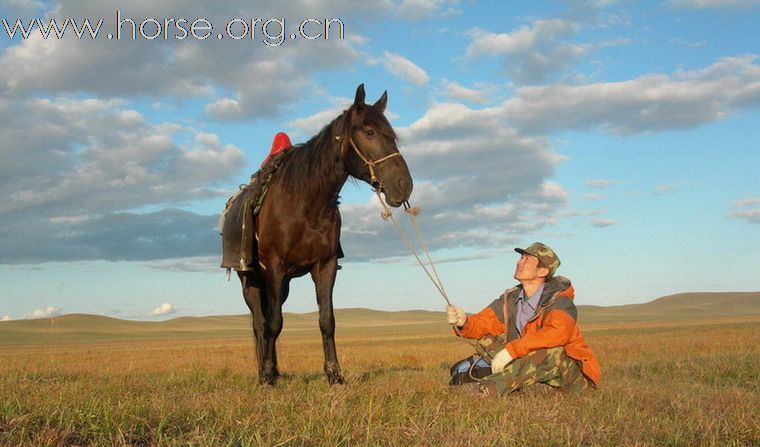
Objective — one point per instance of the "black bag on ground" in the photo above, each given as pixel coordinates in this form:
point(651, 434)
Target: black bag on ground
point(469, 370)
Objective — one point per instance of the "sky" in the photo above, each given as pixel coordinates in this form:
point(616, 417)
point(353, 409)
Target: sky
point(623, 134)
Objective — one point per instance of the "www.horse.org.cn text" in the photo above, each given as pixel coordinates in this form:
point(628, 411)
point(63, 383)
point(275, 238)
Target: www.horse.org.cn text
point(271, 32)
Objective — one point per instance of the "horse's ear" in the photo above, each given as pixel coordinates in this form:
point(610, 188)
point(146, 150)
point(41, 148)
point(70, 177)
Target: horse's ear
point(359, 99)
point(382, 102)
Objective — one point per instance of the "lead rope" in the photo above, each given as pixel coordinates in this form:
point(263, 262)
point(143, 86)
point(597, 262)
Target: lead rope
point(413, 212)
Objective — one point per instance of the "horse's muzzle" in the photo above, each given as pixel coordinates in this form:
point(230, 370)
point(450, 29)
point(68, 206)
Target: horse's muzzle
point(396, 191)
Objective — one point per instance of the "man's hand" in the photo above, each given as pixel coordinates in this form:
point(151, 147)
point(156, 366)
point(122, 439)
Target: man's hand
point(500, 361)
point(455, 315)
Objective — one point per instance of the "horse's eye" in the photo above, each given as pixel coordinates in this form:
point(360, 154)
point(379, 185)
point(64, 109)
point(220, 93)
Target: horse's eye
point(370, 132)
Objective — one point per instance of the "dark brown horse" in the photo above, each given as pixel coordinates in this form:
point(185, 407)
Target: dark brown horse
point(298, 226)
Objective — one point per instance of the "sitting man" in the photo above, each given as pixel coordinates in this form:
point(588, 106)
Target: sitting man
point(533, 329)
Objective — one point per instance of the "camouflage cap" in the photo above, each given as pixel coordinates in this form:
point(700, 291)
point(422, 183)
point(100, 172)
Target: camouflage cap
point(545, 255)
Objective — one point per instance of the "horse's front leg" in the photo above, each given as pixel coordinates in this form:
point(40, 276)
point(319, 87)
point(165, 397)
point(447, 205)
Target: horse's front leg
point(324, 280)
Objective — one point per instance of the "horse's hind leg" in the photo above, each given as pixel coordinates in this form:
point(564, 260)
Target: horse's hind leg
point(255, 297)
point(276, 293)
point(324, 280)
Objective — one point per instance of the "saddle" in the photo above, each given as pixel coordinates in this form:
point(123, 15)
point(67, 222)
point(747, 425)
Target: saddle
point(237, 223)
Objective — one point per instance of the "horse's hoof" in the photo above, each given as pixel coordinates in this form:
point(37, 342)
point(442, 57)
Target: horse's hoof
point(335, 380)
point(332, 372)
point(268, 380)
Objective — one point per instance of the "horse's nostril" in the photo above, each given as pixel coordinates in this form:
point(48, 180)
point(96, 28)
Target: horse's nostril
point(405, 185)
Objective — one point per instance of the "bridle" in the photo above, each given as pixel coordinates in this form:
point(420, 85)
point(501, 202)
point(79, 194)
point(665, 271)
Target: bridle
point(369, 163)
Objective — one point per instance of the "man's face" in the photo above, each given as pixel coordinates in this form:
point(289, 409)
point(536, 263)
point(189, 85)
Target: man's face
point(527, 269)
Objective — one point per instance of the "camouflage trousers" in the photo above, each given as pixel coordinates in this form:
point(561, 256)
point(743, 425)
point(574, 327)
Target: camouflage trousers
point(550, 366)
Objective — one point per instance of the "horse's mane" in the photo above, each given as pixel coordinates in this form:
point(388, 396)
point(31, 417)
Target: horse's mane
point(309, 166)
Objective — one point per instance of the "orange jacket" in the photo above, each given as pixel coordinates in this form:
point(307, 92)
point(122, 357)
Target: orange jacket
point(554, 325)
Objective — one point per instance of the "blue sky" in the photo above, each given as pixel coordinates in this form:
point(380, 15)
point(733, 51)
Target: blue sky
point(623, 134)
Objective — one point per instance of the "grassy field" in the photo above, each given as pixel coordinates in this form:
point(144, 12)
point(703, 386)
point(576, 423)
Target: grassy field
point(677, 372)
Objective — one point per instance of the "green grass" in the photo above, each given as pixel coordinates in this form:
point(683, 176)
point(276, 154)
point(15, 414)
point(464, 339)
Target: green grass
point(665, 383)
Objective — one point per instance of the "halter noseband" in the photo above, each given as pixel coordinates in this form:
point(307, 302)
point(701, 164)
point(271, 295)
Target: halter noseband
point(370, 163)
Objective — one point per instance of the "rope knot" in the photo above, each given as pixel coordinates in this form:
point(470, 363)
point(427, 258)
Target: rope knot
point(385, 214)
point(414, 211)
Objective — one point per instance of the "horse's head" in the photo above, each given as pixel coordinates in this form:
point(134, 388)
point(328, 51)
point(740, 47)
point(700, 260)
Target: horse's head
point(371, 153)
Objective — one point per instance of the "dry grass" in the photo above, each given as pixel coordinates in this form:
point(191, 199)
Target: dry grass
point(673, 385)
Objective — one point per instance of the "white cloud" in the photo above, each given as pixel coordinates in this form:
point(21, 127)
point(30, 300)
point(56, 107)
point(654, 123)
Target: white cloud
point(225, 108)
point(592, 197)
point(749, 210)
point(164, 309)
point(418, 9)
point(70, 169)
point(44, 312)
point(312, 124)
point(747, 202)
point(602, 223)
point(23, 8)
point(687, 98)
point(751, 216)
point(114, 236)
point(70, 160)
point(404, 68)
point(207, 264)
point(552, 192)
point(689, 44)
point(306, 127)
point(523, 40)
point(237, 80)
point(76, 169)
point(6, 318)
point(63, 159)
point(478, 182)
point(533, 53)
point(599, 183)
point(478, 171)
point(462, 93)
point(713, 4)
point(664, 189)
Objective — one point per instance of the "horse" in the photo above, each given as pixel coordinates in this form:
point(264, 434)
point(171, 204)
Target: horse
point(297, 229)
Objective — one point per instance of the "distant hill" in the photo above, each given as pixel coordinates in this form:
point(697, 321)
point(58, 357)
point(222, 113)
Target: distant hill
point(75, 328)
point(96, 328)
point(78, 328)
point(682, 306)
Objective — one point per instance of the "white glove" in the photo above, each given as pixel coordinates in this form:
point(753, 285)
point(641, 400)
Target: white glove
point(455, 315)
point(500, 361)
